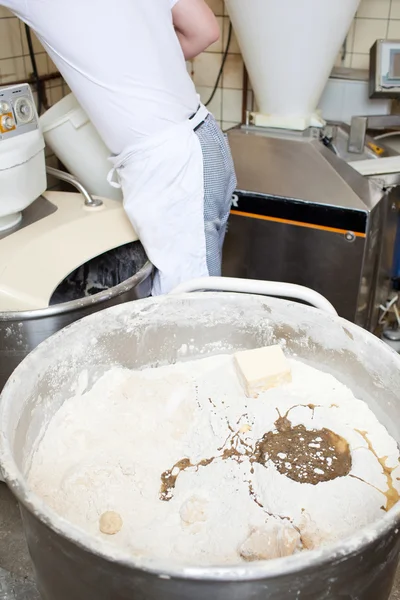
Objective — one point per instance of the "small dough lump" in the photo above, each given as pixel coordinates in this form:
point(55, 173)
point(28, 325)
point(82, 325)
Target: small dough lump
point(275, 540)
point(194, 510)
point(110, 523)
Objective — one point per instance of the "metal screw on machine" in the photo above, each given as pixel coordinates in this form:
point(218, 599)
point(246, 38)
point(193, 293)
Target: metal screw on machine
point(90, 202)
point(350, 236)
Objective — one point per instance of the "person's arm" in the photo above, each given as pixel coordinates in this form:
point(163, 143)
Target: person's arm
point(195, 25)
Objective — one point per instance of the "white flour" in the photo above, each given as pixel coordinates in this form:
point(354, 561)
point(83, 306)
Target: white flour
point(107, 449)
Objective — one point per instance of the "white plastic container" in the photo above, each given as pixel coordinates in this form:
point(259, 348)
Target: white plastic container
point(72, 137)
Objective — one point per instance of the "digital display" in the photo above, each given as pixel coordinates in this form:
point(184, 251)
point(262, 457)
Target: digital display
point(394, 71)
point(385, 69)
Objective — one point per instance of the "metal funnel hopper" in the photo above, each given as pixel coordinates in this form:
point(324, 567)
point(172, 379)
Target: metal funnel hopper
point(289, 48)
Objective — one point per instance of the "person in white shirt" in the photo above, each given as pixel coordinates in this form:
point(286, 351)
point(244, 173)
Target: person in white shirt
point(125, 63)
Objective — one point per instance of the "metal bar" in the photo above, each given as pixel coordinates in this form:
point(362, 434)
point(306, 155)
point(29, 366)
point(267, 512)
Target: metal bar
point(358, 131)
point(33, 81)
point(244, 94)
point(89, 200)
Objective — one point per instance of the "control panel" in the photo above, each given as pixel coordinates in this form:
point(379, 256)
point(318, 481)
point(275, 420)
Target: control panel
point(17, 111)
point(384, 80)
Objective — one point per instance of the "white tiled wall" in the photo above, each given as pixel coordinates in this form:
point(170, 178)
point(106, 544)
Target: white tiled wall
point(15, 62)
point(375, 19)
point(227, 103)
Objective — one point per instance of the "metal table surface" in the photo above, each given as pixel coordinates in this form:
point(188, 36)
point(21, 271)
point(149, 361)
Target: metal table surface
point(16, 573)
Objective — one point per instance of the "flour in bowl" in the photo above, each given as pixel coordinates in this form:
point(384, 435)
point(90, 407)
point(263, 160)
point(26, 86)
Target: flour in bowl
point(176, 463)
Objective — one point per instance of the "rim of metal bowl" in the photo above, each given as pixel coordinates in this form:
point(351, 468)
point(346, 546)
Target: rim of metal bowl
point(280, 567)
point(82, 303)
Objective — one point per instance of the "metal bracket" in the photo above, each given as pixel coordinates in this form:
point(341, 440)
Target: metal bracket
point(359, 126)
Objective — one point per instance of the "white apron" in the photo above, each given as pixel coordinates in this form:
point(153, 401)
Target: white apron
point(163, 187)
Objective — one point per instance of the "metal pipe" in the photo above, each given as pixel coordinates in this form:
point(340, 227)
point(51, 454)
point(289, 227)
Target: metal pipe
point(244, 95)
point(63, 176)
point(32, 81)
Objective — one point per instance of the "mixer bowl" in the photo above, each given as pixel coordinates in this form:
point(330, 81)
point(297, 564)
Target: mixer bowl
point(69, 564)
point(21, 332)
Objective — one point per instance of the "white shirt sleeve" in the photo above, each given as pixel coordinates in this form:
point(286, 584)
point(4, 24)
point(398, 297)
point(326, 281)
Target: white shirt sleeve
point(173, 2)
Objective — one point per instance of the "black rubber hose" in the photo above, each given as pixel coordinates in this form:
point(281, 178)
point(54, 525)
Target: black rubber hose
point(228, 43)
point(34, 69)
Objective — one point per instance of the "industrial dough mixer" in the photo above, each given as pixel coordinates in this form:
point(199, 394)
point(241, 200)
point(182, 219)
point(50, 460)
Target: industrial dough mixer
point(62, 255)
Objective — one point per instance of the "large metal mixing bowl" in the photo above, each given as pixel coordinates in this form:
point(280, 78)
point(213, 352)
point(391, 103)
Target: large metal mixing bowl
point(21, 332)
point(69, 565)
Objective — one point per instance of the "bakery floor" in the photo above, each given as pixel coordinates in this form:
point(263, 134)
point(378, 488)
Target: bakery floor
point(16, 573)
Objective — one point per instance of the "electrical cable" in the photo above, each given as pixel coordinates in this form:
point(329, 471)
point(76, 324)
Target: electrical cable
point(386, 135)
point(225, 56)
point(387, 308)
point(36, 77)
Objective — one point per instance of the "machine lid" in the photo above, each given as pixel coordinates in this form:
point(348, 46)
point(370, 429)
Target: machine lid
point(300, 168)
point(37, 257)
point(289, 48)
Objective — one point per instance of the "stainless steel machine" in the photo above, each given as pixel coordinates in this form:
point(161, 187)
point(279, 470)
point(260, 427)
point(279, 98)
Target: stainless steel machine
point(303, 215)
point(307, 209)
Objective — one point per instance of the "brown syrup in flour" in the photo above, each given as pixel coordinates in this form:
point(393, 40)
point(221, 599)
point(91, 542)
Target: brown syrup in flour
point(391, 494)
point(304, 455)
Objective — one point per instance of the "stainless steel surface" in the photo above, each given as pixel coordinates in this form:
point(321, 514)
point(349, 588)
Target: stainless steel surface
point(89, 200)
point(374, 70)
point(340, 138)
point(360, 125)
point(258, 249)
point(16, 575)
point(300, 168)
point(358, 131)
point(350, 74)
point(391, 334)
point(16, 572)
point(40, 209)
point(134, 335)
point(292, 192)
point(377, 267)
point(21, 332)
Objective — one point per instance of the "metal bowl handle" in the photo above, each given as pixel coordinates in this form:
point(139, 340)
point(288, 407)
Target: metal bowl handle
point(252, 286)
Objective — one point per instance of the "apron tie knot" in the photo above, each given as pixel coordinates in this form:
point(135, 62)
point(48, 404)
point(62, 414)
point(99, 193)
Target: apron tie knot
point(111, 180)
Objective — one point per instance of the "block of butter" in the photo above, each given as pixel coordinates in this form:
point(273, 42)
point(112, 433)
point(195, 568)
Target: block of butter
point(261, 369)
